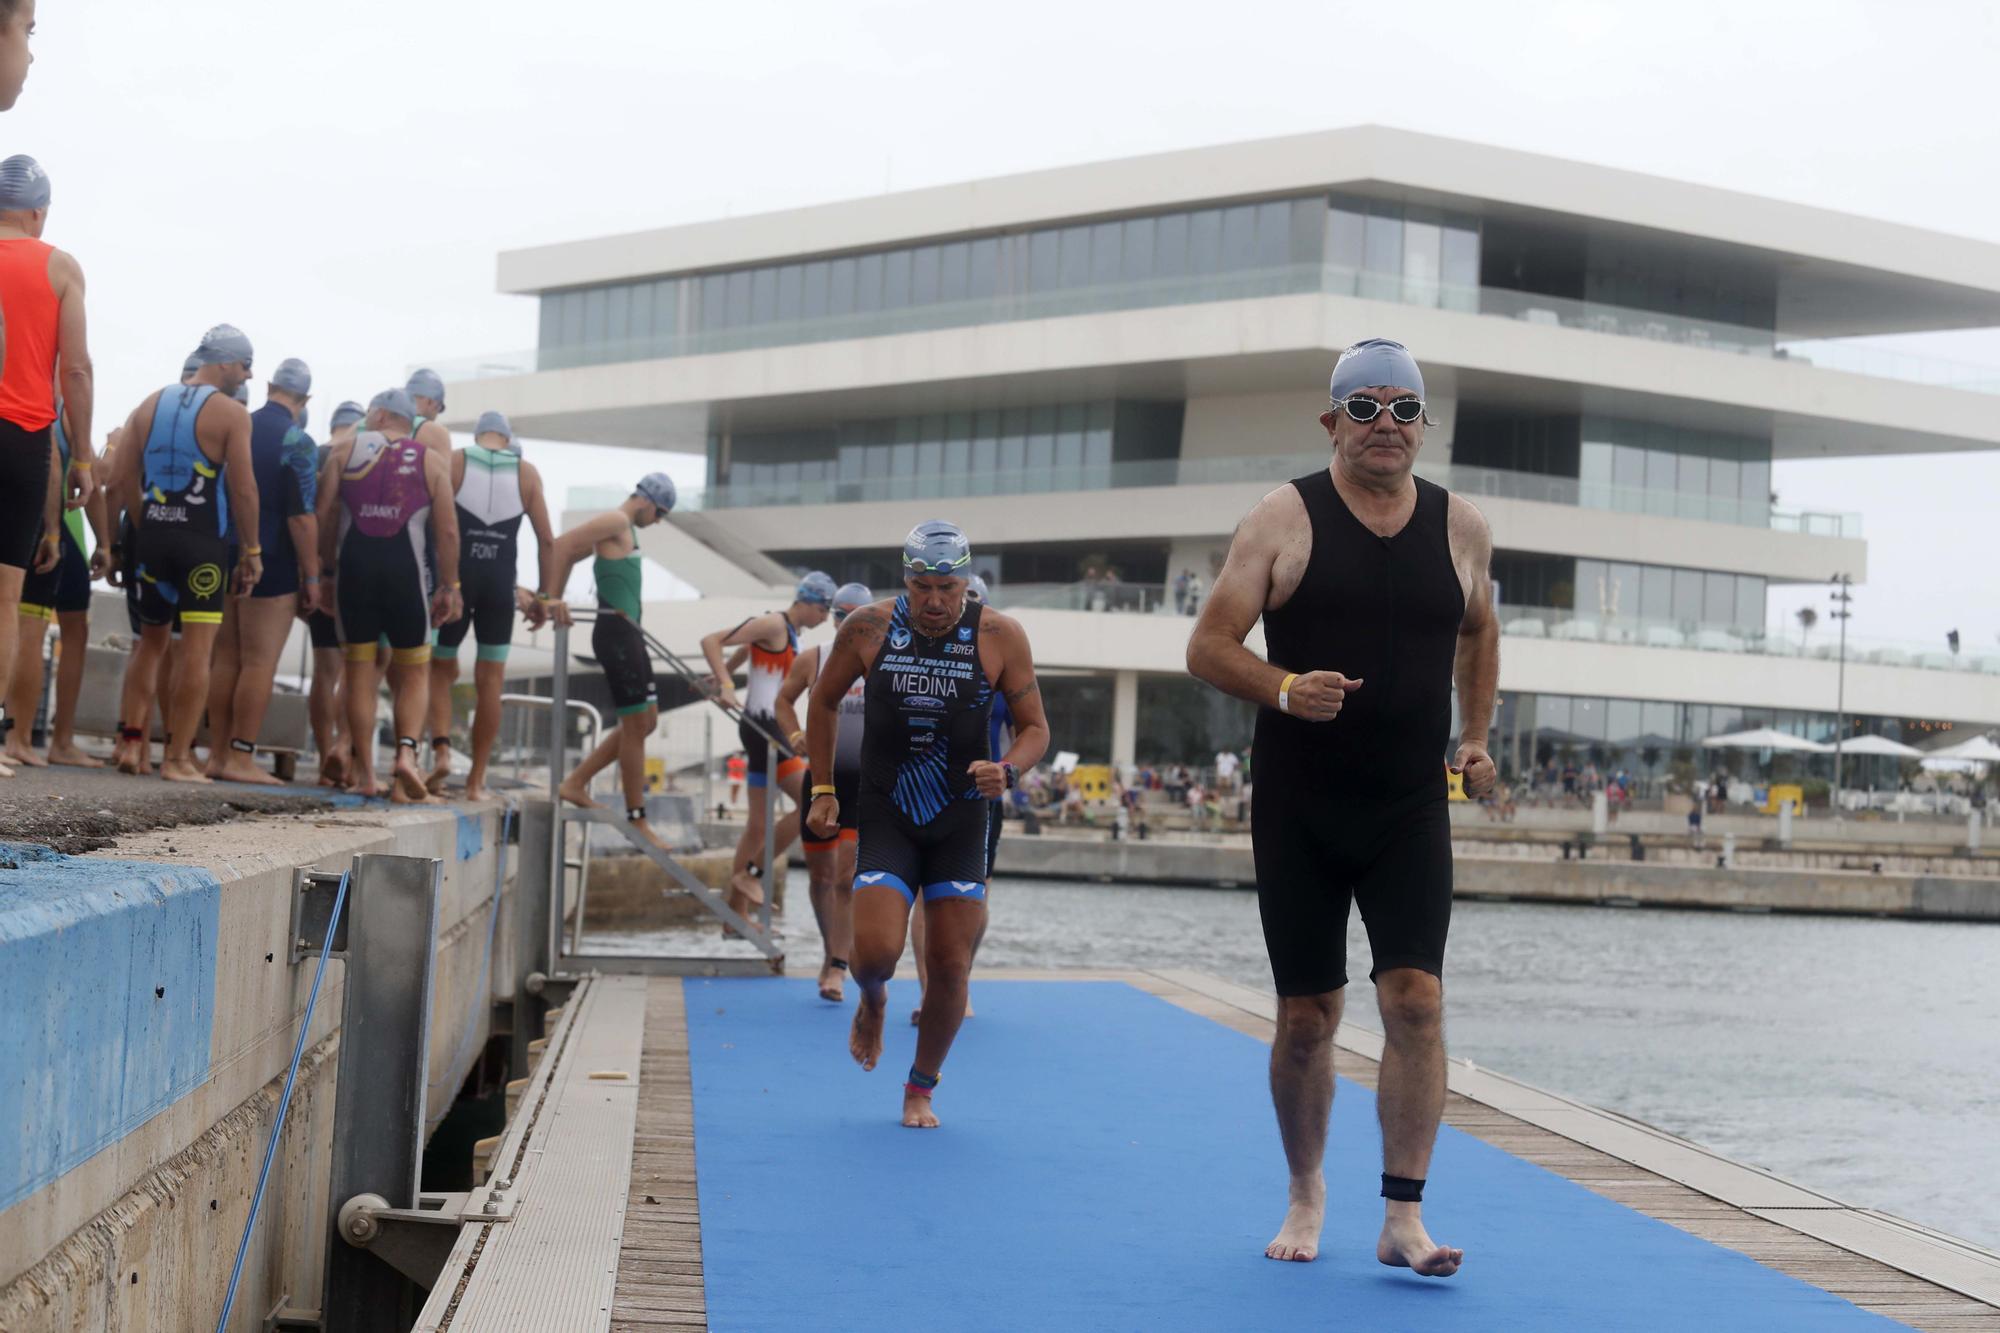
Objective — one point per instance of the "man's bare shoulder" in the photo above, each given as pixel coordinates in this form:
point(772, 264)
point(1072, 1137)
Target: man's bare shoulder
point(1278, 516)
point(1466, 526)
point(1001, 625)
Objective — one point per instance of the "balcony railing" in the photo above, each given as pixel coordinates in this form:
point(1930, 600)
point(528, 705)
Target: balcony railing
point(1263, 469)
point(1495, 302)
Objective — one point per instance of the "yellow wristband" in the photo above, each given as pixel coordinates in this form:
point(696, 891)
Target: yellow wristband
point(824, 789)
point(253, 550)
point(796, 739)
point(81, 467)
point(1285, 692)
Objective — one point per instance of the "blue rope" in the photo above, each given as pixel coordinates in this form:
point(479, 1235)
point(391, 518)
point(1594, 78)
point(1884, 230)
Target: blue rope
point(284, 1105)
point(480, 996)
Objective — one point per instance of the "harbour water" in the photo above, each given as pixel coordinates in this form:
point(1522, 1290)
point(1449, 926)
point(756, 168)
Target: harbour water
point(1859, 1057)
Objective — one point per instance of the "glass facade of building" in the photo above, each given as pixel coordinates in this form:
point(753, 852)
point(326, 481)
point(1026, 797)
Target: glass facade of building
point(1611, 591)
point(1054, 447)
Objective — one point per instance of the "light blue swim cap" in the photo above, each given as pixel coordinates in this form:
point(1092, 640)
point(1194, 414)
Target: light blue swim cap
point(976, 589)
point(816, 589)
point(190, 366)
point(223, 345)
point(24, 186)
point(1375, 363)
point(348, 413)
point(425, 383)
point(937, 547)
point(851, 598)
point(495, 422)
point(395, 402)
point(293, 376)
point(242, 394)
point(659, 488)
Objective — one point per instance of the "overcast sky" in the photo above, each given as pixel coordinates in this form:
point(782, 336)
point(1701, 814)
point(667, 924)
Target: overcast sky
point(337, 177)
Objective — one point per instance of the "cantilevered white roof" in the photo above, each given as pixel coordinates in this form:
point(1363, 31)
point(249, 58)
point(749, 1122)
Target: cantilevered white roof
point(1838, 273)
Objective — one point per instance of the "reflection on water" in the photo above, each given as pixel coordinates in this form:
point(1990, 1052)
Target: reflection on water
point(1859, 1057)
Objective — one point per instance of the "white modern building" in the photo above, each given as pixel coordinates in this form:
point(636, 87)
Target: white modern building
point(1097, 370)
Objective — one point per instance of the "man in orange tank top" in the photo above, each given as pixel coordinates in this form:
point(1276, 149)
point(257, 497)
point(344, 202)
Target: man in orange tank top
point(41, 297)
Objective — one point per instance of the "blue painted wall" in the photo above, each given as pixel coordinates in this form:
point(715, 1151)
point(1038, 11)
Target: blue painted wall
point(107, 1003)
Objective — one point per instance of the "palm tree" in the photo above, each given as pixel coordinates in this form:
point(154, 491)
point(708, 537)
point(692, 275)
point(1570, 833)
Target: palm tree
point(1807, 619)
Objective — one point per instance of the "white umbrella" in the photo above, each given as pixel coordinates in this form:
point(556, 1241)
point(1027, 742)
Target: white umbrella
point(1980, 749)
point(1764, 738)
point(1879, 745)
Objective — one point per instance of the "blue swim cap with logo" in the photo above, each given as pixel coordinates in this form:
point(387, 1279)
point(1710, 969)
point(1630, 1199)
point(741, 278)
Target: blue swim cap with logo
point(293, 376)
point(659, 488)
point(395, 402)
point(816, 589)
point(851, 598)
point(425, 383)
point(348, 413)
point(937, 547)
point(223, 345)
point(1375, 363)
point(24, 185)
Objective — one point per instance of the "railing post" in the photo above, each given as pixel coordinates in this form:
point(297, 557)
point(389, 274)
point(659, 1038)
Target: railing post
point(770, 831)
point(531, 927)
point(378, 1116)
point(551, 928)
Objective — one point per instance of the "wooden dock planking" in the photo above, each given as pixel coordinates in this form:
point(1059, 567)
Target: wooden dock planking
point(659, 1260)
point(660, 1274)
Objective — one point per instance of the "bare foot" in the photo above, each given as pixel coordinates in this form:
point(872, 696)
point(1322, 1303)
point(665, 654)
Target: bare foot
point(407, 781)
point(1405, 1244)
point(477, 792)
point(71, 757)
point(917, 1113)
point(864, 1040)
point(830, 979)
point(131, 758)
point(1297, 1240)
point(6, 772)
point(439, 775)
point(364, 784)
point(645, 830)
point(182, 770)
point(21, 754)
point(241, 767)
point(574, 793)
point(333, 770)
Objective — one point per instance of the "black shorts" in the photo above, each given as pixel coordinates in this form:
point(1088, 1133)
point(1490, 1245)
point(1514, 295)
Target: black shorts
point(182, 574)
point(489, 612)
point(846, 790)
point(380, 592)
point(64, 589)
point(1314, 856)
point(945, 858)
point(324, 629)
point(24, 489)
point(757, 751)
point(620, 649)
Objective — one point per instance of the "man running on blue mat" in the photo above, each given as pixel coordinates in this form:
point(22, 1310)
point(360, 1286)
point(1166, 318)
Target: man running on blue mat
point(934, 662)
point(1362, 573)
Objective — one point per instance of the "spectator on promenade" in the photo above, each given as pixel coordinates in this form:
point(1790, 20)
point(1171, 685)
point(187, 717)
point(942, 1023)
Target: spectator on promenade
point(1181, 591)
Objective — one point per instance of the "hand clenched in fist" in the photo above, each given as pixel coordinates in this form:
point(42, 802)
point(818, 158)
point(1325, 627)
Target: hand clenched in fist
point(1317, 696)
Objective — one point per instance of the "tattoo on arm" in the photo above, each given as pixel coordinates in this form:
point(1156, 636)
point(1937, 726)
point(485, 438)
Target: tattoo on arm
point(865, 627)
point(1032, 687)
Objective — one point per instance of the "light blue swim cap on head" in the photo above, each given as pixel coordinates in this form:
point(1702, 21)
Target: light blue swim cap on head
point(190, 366)
point(851, 598)
point(1375, 363)
point(816, 589)
point(976, 589)
point(24, 186)
point(493, 423)
point(242, 394)
point(937, 547)
point(425, 383)
point(223, 345)
point(395, 402)
point(348, 413)
point(659, 488)
point(293, 376)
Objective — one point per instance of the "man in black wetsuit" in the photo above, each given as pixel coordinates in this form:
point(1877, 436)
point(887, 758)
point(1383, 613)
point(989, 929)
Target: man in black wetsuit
point(1374, 590)
point(935, 662)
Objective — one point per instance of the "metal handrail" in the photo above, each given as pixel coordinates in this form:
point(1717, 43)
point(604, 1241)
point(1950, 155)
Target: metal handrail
point(559, 690)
